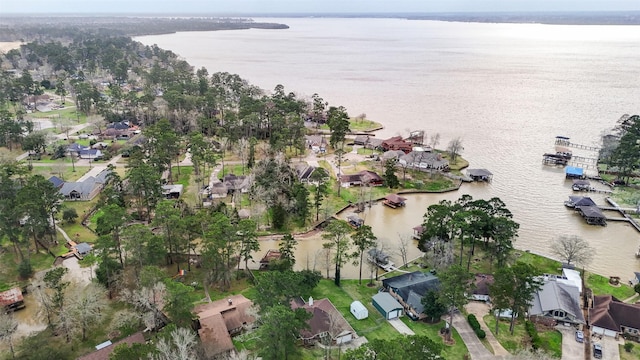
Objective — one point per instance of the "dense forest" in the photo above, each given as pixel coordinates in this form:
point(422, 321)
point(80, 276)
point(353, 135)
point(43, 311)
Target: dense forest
point(25, 29)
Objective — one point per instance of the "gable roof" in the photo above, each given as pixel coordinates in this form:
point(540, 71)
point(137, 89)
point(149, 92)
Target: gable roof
point(11, 296)
point(103, 354)
point(479, 172)
point(581, 201)
point(482, 282)
point(591, 211)
point(395, 198)
point(611, 313)
point(218, 319)
point(555, 295)
point(386, 301)
point(56, 181)
point(324, 315)
point(417, 282)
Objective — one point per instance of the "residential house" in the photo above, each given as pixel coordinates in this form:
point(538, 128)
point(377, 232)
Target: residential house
point(316, 143)
point(172, 191)
point(361, 140)
point(387, 305)
point(557, 300)
point(612, 317)
point(86, 189)
point(104, 350)
point(305, 173)
point(327, 325)
point(397, 143)
point(481, 289)
point(363, 178)
point(219, 320)
point(424, 160)
point(236, 183)
point(91, 154)
point(56, 181)
point(392, 155)
point(218, 190)
point(409, 289)
point(11, 299)
point(373, 143)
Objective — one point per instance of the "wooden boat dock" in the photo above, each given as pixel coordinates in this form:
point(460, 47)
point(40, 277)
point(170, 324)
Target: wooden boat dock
point(623, 211)
point(564, 141)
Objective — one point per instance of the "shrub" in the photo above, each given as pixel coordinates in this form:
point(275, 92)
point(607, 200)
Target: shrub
point(536, 341)
point(24, 269)
point(628, 347)
point(475, 325)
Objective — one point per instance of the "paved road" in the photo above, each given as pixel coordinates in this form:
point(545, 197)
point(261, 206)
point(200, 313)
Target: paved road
point(474, 346)
point(401, 327)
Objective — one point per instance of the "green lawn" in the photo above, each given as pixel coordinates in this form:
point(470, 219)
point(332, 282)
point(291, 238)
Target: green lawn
point(358, 125)
point(455, 351)
point(235, 169)
point(67, 172)
point(551, 340)
point(543, 264)
point(511, 343)
point(600, 286)
point(373, 327)
point(633, 355)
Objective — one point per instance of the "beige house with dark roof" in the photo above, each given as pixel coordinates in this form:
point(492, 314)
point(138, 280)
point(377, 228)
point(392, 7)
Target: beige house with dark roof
point(612, 317)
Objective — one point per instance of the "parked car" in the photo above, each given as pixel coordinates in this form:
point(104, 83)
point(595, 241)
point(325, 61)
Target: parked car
point(597, 351)
point(579, 336)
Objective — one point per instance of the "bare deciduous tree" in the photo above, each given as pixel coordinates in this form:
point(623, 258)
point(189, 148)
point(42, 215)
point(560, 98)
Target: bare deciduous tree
point(8, 326)
point(403, 248)
point(454, 148)
point(572, 249)
point(435, 140)
point(181, 346)
point(87, 306)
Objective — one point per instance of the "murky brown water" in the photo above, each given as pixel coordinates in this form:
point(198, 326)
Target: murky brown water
point(506, 89)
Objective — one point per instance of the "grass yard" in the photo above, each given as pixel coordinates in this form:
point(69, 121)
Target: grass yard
point(551, 340)
point(511, 343)
point(633, 355)
point(373, 327)
point(543, 264)
point(600, 286)
point(358, 125)
point(455, 351)
point(66, 173)
point(235, 169)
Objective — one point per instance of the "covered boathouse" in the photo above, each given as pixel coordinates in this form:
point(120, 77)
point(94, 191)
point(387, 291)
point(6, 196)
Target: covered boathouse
point(394, 201)
point(572, 172)
point(593, 215)
point(480, 174)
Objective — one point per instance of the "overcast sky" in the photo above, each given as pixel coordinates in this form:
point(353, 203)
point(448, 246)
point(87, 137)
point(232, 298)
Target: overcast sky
point(306, 6)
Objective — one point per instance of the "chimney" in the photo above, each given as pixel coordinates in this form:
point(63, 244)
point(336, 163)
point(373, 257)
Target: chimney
point(310, 301)
point(230, 302)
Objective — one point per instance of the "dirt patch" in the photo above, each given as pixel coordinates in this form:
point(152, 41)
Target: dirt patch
point(79, 274)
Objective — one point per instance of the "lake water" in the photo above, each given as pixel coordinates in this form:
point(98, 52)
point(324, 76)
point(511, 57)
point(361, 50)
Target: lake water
point(506, 89)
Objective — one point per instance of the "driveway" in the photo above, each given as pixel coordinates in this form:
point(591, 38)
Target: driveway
point(475, 347)
point(610, 349)
point(480, 309)
point(571, 349)
point(401, 327)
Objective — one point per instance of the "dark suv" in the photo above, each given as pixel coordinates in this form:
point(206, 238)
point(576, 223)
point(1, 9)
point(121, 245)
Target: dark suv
point(597, 351)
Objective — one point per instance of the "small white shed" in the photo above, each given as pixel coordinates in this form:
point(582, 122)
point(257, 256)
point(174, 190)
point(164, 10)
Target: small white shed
point(359, 311)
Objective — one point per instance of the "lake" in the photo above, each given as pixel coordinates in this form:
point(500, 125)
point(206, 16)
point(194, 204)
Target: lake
point(506, 89)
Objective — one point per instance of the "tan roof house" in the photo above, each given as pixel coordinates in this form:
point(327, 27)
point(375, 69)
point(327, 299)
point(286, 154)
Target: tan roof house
point(218, 321)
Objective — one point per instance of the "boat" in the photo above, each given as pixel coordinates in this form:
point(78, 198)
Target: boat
point(381, 259)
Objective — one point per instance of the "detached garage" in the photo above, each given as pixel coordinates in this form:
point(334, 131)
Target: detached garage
point(389, 307)
point(359, 311)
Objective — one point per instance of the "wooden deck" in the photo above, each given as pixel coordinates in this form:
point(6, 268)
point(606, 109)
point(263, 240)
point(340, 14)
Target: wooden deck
point(624, 212)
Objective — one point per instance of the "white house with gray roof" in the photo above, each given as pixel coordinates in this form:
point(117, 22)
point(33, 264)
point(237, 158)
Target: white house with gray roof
point(557, 300)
